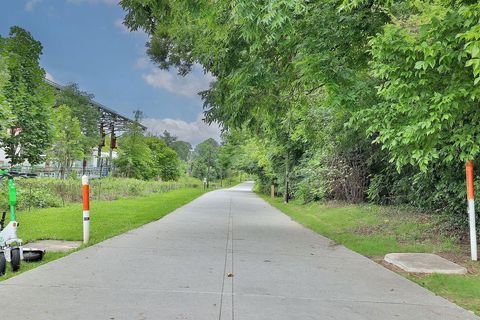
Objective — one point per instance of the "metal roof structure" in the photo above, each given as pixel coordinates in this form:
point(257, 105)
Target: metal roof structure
point(109, 117)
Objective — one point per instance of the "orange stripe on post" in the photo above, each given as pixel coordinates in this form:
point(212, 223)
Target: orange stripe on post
point(86, 197)
point(469, 172)
point(86, 209)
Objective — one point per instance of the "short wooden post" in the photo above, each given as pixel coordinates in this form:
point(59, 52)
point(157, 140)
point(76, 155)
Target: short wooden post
point(272, 191)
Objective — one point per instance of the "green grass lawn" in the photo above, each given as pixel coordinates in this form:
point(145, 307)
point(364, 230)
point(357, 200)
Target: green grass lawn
point(107, 219)
point(375, 231)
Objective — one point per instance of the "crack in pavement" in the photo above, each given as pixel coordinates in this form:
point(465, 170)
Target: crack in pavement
point(229, 226)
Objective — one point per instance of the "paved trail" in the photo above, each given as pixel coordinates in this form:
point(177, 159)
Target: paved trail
point(177, 268)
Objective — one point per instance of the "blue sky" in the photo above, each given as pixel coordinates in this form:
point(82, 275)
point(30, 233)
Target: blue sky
point(85, 42)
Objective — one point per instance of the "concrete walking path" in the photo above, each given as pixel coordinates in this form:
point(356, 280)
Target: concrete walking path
point(226, 255)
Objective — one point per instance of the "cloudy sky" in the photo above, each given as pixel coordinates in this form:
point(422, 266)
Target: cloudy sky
point(84, 41)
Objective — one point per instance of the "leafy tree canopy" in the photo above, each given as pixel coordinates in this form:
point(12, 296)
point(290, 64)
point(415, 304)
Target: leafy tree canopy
point(165, 159)
point(68, 139)
point(135, 158)
point(182, 148)
point(205, 157)
point(428, 64)
point(29, 97)
point(6, 116)
point(168, 138)
point(144, 157)
point(332, 95)
point(89, 116)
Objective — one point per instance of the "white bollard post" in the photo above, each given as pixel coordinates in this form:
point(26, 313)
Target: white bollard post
point(471, 209)
point(86, 209)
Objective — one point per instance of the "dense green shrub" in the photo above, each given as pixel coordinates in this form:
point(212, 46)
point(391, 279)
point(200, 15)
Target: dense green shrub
point(146, 158)
point(439, 190)
point(37, 198)
point(308, 179)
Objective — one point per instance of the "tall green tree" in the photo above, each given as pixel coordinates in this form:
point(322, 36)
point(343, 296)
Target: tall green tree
point(168, 138)
point(428, 63)
point(80, 103)
point(6, 116)
point(205, 160)
point(182, 148)
point(134, 156)
point(240, 152)
point(68, 139)
point(165, 160)
point(30, 98)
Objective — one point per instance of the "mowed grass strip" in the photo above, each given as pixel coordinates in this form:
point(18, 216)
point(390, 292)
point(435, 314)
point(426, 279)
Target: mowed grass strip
point(374, 231)
point(107, 219)
point(462, 290)
point(368, 229)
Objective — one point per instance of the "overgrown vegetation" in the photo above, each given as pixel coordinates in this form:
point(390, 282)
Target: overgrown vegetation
point(46, 192)
point(146, 157)
point(335, 100)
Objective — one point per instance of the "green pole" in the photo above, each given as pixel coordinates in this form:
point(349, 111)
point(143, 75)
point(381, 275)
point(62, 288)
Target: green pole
point(12, 197)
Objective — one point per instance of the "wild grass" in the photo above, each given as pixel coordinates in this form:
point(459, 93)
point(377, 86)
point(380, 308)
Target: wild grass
point(50, 192)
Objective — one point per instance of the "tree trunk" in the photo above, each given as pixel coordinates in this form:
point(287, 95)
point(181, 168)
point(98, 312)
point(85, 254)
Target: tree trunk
point(208, 168)
point(285, 194)
point(99, 155)
point(208, 175)
point(11, 154)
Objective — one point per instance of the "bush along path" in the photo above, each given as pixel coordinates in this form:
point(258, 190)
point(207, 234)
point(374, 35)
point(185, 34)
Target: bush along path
point(107, 219)
point(374, 231)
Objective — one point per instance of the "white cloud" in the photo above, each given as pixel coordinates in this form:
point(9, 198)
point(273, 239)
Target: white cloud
point(108, 2)
point(119, 24)
point(30, 4)
point(189, 85)
point(49, 76)
point(142, 63)
point(193, 132)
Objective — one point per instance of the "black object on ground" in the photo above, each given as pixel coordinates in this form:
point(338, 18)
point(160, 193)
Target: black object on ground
point(3, 264)
point(15, 256)
point(33, 255)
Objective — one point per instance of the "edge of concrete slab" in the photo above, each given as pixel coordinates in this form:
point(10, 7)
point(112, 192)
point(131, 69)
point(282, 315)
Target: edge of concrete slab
point(54, 245)
point(443, 266)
